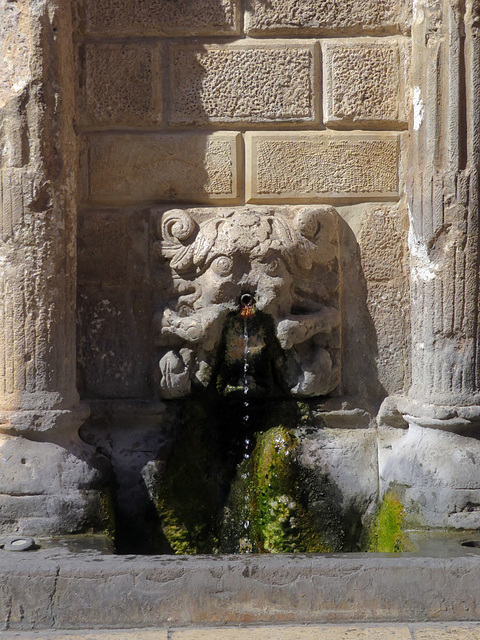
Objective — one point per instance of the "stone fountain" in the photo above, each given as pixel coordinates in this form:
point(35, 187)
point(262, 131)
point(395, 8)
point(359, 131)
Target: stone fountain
point(239, 296)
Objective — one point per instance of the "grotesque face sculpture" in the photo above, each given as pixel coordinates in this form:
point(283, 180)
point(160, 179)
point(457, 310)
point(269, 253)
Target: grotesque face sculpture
point(285, 258)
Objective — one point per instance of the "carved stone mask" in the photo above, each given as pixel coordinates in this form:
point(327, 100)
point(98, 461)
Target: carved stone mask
point(285, 257)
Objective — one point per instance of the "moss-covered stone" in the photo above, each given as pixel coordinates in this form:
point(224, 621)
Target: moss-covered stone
point(189, 489)
point(233, 482)
point(268, 510)
point(107, 511)
point(249, 358)
point(386, 533)
point(283, 523)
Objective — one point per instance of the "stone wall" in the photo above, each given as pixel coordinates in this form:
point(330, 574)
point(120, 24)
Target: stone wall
point(114, 112)
point(243, 103)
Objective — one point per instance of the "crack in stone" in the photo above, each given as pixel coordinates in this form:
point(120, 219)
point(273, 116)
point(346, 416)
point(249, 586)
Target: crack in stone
point(52, 597)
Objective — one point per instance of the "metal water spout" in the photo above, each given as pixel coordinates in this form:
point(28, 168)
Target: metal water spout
point(247, 305)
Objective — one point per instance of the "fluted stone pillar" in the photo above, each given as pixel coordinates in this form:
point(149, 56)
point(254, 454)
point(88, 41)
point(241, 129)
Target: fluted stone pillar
point(48, 478)
point(433, 461)
point(443, 195)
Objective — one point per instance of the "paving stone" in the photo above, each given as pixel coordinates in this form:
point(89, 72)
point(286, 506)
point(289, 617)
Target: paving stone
point(323, 16)
point(268, 82)
point(162, 17)
point(450, 631)
point(324, 632)
point(361, 82)
point(132, 168)
point(305, 166)
point(111, 72)
point(435, 631)
point(112, 634)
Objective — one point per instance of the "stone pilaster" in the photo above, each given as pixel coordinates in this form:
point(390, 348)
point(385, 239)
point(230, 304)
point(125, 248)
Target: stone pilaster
point(443, 195)
point(44, 463)
point(432, 464)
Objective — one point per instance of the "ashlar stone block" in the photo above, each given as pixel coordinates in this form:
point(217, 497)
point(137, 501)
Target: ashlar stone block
point(308, 166)
point(122, 85)
point(294, 17)
point(162, 17)
point(361, 83)
point(267, 82)
point(134, 168)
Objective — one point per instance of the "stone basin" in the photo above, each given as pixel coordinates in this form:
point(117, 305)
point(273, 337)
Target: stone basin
point(77, 582)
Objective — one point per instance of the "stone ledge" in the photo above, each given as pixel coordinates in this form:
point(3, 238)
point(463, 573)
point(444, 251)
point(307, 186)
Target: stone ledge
point(315, 166)
point(251, 82)
point(18, 422)
point(55, 588)
point(126, 169)
point(399, 411)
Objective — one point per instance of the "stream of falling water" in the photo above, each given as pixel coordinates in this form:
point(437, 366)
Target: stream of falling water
point(246, 351)
point(246, 522)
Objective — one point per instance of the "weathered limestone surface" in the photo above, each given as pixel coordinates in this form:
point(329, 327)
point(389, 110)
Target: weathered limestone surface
point(361, 82)
point(311, 165)
point(15, 43)
point(131, 168)
point(311, 16)
point(436, 474)
point(268, 82)
point(114, 307)
point(54, 588)
point(385, 264)
point(167, 17)
point(38, 283)
point(326, 450)
point(434, 468)
point(444, 207)
point(111, 72)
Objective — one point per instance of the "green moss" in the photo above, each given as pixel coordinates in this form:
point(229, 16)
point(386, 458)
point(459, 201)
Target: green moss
point(187, 491)
point(386, 533)
point(268, 511)
point(107, 511)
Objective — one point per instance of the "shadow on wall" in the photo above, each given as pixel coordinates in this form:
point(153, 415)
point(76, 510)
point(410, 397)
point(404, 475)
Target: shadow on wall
point(359, 339)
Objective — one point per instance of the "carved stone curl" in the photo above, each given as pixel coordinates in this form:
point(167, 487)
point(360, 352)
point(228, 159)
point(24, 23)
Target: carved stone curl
point(285, 257)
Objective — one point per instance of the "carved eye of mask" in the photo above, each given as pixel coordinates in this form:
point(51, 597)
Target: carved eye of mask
point(223, 266)
point(308, 223)
point(273, 267)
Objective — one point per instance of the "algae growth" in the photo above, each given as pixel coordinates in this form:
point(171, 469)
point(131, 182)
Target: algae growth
point(268, 510)
point(386, 534)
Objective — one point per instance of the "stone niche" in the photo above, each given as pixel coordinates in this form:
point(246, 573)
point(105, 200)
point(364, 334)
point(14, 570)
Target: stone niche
point(182, 195)
point(285, 258)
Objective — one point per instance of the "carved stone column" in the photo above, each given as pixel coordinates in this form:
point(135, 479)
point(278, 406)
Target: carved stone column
point(47, 481)
point(443, 193)
point(433, 463)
